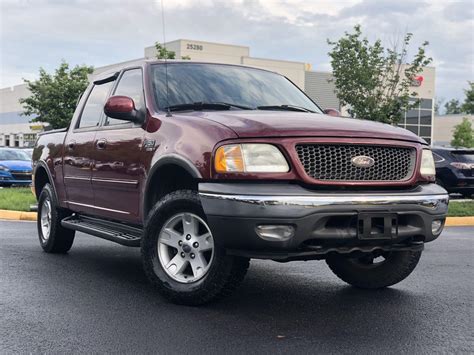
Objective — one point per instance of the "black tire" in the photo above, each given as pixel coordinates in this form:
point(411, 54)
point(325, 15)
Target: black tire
point(224, 275)
point(365, 273)
point(60, 239)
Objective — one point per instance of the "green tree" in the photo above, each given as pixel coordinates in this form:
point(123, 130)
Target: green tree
point(463, 135)
point(468, 105)
point(372, 80)
point(53, 97)
point(452, 107)
point(437, 105)
point(163, 53)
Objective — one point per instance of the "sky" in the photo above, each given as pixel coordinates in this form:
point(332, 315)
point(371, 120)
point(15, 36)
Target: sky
point(41, 33)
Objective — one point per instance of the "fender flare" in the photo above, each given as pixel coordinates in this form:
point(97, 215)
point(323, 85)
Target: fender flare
point(44, 165)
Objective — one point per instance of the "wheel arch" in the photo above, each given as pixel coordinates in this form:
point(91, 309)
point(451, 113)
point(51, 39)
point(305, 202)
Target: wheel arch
point(176, 172)
point(42, 176)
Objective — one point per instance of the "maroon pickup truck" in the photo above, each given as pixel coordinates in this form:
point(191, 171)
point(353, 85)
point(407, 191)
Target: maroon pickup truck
point(206, 166)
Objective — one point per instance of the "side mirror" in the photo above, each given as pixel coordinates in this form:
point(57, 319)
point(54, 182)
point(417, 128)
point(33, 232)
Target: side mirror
point(332, 112)
point(122, 108)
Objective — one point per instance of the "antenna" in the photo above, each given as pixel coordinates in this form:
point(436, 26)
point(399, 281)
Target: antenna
point(168, 114)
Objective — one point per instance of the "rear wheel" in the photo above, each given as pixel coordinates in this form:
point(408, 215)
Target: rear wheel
point(53, 237)
point(374, 271)
point(181, 257)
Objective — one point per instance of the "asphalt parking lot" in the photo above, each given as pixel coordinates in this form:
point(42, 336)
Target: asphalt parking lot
point(96, 300)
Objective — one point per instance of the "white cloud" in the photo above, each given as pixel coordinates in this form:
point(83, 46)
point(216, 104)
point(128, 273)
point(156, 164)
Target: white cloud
point(42, 32)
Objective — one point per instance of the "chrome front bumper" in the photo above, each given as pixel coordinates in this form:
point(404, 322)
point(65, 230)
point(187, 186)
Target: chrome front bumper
point(235, 209)
point(292, 200)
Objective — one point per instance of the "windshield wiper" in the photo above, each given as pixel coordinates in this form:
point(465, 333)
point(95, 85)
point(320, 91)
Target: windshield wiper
point(197, 106)
point(285, 108)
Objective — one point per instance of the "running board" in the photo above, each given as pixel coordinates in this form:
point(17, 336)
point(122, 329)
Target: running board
point(115, 232)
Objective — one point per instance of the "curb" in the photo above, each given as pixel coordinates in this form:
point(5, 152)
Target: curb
point(459, 221)
point(17, 215)
point(31, 216)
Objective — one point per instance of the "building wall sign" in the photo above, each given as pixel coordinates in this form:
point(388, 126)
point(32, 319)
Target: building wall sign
point(417, 81)
point(194, 47)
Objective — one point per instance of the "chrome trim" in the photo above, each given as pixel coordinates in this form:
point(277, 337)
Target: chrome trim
point(77, 178)
point(116, 181)
point(428, 201)
point(96, 207)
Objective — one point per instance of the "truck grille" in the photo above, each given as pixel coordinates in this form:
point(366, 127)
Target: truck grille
point(334, 162)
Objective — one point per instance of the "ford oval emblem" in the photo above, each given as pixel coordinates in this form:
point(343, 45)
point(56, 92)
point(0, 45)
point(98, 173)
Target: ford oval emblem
point(363, 161)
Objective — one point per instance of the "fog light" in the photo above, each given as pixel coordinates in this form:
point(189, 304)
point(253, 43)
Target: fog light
point(437, 226)
point(275, 232)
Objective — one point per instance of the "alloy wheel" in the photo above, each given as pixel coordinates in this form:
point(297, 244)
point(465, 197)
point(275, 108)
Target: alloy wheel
point(185, 247)
point(45, 219)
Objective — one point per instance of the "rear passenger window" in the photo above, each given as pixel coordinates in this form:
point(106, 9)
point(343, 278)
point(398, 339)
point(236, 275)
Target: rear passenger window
point(94, 107)
point(130, 85)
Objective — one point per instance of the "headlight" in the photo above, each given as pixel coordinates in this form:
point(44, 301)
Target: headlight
point(427, 168)
point(4, 168)
point(250, 158)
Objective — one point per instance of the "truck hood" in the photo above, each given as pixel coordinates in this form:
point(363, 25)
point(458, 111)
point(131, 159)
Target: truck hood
point(21, 165)
point(251, 124)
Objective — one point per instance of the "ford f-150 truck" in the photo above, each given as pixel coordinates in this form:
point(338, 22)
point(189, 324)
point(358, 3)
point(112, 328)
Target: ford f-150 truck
point(206, 166)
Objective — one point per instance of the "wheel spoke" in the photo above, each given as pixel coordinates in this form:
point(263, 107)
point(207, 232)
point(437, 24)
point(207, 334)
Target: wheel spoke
point(206, 243)
point(198, 264)
point(170, 237)
point(176, 265)
point(190, 224)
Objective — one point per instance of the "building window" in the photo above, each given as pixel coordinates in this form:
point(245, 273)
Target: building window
point(419, 119)
point(426, 104)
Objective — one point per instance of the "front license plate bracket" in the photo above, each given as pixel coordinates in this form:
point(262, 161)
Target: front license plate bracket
point(377, 226)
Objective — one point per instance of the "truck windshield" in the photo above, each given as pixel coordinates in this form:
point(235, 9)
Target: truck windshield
point(215, 86)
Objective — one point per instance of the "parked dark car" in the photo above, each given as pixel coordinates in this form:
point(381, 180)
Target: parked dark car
point(15, 167)
point(455, 170)
point(205, 166)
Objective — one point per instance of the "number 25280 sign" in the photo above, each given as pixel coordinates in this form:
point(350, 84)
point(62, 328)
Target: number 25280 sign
point(194, 47)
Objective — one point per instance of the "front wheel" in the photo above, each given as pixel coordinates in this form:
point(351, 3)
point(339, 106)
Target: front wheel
point(181, 257)
point(374, 271)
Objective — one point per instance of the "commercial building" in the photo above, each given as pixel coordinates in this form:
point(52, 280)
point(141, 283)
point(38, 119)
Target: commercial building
point(316, 84)
point(444, 127)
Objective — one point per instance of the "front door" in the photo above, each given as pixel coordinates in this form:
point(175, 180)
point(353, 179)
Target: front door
point(79, 151)
point(118, 170)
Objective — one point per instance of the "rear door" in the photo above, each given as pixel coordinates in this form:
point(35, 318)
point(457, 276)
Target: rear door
point(79, 150)
point(118, 169)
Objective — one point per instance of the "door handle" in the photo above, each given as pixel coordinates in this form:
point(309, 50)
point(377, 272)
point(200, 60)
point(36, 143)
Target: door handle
point(71, 145)
point(101, 143)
